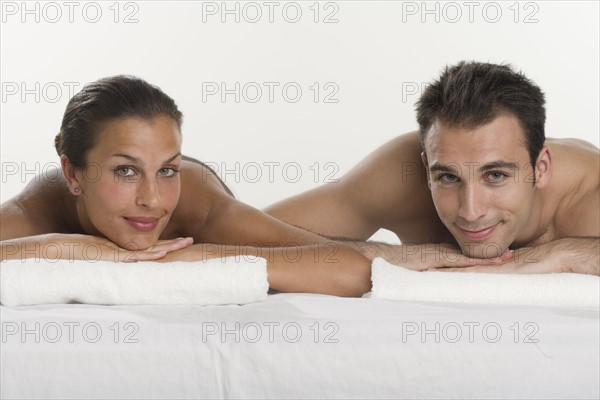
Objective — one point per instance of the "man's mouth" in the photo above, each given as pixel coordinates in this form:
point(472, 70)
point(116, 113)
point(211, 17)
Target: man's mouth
point(142, 224)
point(480, 234)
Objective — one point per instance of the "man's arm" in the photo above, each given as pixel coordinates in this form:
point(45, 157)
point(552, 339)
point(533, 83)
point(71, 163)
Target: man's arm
point(419, 256)
point(573, 254)
point(388, 189)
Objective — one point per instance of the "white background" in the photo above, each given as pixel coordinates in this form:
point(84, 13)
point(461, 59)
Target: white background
point(373, 55)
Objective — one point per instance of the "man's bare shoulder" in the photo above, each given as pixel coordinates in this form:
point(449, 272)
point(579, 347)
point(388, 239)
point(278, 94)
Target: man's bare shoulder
point(576, 164)
point(576, 172)
point(395, 174)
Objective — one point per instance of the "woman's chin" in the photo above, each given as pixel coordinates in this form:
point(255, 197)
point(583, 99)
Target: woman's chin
point(137, 244)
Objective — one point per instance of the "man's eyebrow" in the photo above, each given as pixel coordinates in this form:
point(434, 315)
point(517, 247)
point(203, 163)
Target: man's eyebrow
point(499, 165)
point(435, 167)
point(438, 167)
point(139, 162)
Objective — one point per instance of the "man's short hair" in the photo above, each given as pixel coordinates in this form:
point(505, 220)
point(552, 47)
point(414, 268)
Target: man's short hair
point(471, 94)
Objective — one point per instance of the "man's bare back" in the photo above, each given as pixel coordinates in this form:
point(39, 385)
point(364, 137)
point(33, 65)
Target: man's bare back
point(388, 189)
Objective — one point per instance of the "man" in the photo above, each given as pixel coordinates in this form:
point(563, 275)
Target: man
point(479, 174)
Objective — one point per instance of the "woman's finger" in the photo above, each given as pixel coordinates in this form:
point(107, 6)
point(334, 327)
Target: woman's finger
point(134, 256)
point(172, 245)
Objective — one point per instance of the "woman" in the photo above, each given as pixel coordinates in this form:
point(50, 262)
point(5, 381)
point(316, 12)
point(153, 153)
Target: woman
point(126, 193)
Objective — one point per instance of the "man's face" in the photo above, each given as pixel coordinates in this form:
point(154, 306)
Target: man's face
point(131, 183)
point(481, 181)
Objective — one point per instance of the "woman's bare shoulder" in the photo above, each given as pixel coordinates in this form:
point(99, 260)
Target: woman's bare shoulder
point(202, 192)
point(39, 208)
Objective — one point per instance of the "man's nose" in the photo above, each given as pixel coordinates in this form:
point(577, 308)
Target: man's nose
point(472, 202)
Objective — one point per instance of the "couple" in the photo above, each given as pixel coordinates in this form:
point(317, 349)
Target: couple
point(487, 192)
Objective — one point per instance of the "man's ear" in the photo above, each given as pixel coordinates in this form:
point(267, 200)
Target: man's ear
point(543, 168)
point(70, 174)
point(426, 164)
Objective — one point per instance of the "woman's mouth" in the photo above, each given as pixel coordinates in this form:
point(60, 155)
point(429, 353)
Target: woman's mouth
point(142, 224)
point(479, 234)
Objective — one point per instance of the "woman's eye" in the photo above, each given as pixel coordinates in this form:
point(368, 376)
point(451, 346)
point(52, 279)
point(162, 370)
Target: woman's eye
point(124, 171)
point(168, 171)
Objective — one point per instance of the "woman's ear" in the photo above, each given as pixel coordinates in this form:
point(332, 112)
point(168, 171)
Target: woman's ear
point(70, 174)
point(543, 167)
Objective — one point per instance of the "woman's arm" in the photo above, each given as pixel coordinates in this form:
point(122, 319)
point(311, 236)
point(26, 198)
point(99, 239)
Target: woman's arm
point(26, 233)
point(297, 260)
point(60, 246)
point(326, 269)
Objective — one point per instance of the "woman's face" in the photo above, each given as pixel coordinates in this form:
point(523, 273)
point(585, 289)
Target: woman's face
point(130, 185)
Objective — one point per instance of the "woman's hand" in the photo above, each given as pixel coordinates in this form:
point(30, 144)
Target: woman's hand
point(85, 247)
point(196, 252)
point(96, 248)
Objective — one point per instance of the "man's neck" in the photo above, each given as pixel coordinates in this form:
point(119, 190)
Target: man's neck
point(540, 227)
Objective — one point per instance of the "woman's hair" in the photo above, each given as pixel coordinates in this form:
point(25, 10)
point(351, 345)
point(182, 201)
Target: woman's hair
point(107, 99)
point(471, 94)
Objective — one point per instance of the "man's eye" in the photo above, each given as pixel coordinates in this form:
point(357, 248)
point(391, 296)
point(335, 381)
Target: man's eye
point(447, 178)
point(124, 171)
point(496, 177)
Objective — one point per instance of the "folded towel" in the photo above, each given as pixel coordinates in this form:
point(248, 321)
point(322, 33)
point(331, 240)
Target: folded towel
point(233, 280)
point(554, 290)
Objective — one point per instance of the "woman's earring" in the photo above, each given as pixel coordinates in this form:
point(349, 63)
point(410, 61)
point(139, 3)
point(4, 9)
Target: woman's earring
point(76, 190)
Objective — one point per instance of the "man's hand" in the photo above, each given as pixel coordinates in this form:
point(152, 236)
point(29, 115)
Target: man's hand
point(525, 261)
point(579, 255)
point(421, 257)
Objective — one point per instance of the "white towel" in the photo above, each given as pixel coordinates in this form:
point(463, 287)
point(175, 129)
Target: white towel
point(233, 280)
point(554, 290)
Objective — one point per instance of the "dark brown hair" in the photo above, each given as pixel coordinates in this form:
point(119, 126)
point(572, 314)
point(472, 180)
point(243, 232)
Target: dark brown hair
point(107, 99)
point(471, 94)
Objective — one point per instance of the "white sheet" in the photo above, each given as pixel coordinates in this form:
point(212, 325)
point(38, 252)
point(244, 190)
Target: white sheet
point(365, 348)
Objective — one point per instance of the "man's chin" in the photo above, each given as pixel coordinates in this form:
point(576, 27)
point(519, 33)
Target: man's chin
point(482, 250)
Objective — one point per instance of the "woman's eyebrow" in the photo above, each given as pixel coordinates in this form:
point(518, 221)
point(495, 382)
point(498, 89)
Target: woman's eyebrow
point(130, 158)
point(140, 162)
point(172, 158)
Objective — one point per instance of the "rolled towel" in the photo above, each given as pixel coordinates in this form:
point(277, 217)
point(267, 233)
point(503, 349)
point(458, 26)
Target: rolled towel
point(554, 290)
point(232, 280)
